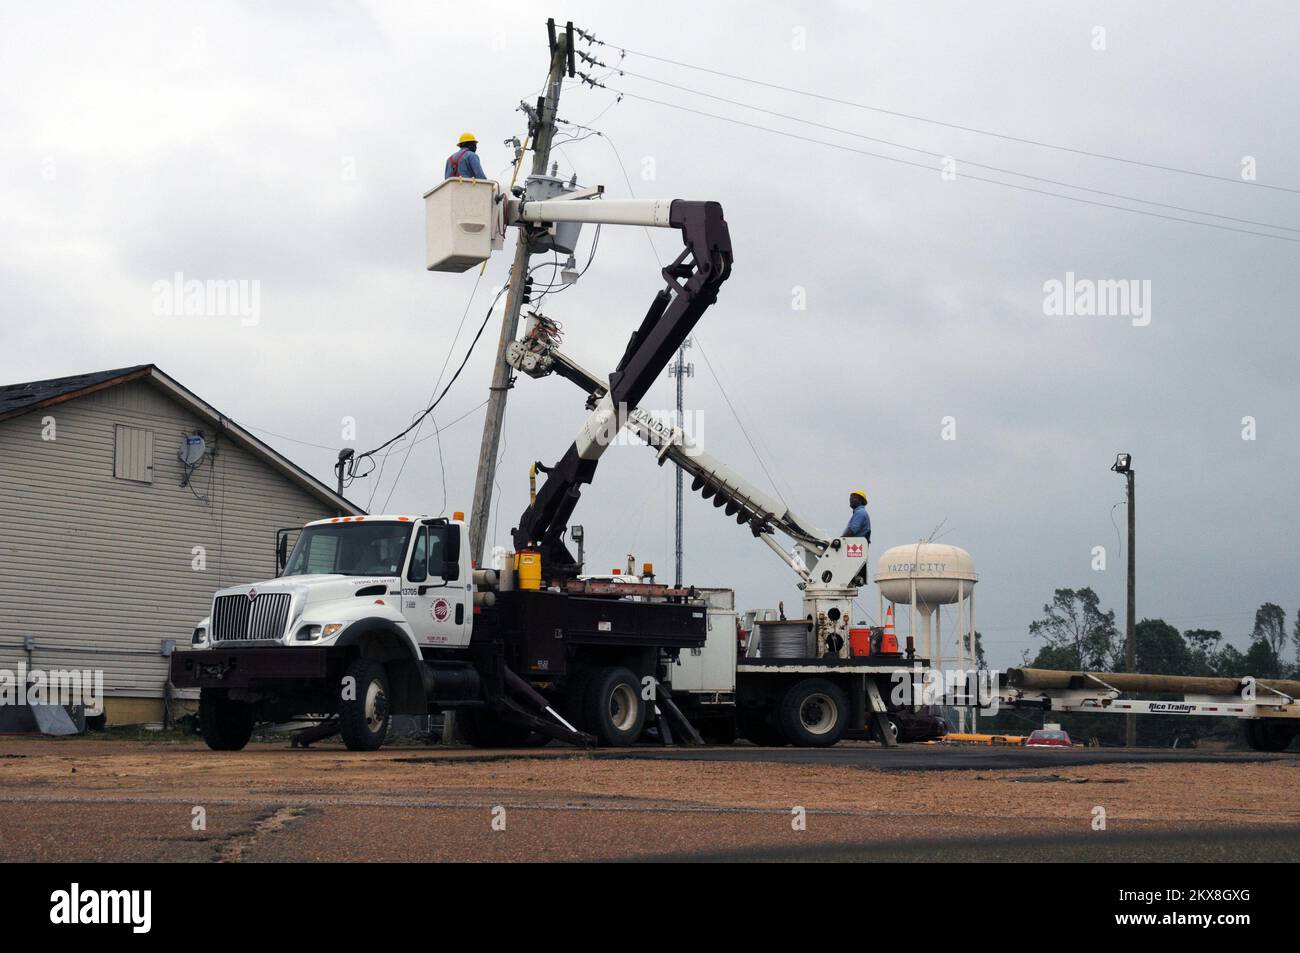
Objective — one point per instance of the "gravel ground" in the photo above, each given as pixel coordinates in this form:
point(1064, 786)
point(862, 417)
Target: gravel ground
point(91, 799)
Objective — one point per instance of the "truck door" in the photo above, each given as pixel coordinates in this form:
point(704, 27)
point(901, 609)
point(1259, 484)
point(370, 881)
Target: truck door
point(435, 599)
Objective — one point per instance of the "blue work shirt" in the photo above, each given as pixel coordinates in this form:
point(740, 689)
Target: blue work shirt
point(859, 523)
point(466, 166)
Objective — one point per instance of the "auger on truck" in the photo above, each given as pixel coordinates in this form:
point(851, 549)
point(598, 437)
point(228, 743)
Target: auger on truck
point(381, 615)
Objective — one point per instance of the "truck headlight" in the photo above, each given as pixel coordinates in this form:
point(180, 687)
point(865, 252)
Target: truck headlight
point(199, 637)
point(310, 633)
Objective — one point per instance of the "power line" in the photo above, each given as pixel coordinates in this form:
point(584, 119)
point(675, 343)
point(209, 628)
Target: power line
point(949, 125)
point(975, 178)
point(272, 433)
point(369, 454)
point(960, 161)
point(441, 371)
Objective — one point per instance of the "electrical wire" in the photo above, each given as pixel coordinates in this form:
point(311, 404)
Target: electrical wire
point(960, 161)
point(369, 454)
point(966, 176)
point(441, 371)
point(1024, 140)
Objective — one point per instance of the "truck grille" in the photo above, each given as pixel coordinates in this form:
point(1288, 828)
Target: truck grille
point(239, 618)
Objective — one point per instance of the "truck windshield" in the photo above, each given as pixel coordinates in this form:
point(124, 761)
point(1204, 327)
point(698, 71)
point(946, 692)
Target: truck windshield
point(352, 549)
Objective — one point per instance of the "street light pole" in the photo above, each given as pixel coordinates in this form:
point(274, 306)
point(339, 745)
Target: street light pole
point(1124, 466)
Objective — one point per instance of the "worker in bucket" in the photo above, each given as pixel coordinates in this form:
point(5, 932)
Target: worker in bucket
point(859, 522)
point(464, 162)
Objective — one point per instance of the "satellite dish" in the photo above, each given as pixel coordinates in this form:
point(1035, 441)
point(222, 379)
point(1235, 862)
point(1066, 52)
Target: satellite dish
point(192, 450)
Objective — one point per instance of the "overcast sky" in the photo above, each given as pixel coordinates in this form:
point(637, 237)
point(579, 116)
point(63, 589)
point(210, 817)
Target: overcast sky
point(290, 143)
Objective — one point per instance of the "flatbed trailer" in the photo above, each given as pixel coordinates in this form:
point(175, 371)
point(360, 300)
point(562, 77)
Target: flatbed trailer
point(1267, 708)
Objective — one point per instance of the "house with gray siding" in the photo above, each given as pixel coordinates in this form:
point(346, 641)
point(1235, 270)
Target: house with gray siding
point(112, 545)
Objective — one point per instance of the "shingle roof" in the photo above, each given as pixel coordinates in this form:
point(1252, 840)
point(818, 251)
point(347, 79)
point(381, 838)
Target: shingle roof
point(19, 398)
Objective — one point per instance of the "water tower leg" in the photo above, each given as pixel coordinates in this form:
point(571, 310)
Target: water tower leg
point(961, 651)
point(974, 660)
point(938, 644)
point(911, 623)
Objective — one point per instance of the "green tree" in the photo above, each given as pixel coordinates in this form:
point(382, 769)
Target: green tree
point(1203, 646)
point(981, 662)
point(1159, 649)
point(1260, 661)
point(1269, 631)
point(1230, 661)
point(1074, 621)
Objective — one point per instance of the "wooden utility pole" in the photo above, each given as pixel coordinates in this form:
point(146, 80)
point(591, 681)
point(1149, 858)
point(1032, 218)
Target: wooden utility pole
point(561, 61)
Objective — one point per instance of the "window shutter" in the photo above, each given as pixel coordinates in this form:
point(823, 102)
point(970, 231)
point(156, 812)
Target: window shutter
point(133, 454)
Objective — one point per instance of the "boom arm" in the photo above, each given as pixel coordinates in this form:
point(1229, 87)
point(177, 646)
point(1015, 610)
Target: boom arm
point(713, 479)
point(693, 279)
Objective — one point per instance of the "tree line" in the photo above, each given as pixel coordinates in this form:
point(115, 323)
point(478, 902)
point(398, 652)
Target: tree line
point(1079, 635)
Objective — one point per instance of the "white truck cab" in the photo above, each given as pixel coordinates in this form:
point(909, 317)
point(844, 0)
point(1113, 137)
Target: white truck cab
point(410, 571)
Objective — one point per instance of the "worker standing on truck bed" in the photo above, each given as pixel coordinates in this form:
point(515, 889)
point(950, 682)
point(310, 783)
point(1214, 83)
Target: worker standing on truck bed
point(464, 162)
point(859, 522)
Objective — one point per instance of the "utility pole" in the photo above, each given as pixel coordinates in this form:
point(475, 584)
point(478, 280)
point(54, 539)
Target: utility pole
point(1124, 466)
point(681, 370)
point(346, 454)
point(561, 61)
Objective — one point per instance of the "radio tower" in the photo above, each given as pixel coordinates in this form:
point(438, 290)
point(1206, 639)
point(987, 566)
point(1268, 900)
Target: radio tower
point(681, 370)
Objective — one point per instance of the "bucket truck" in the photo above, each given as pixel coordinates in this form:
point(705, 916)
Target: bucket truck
point(376, 615)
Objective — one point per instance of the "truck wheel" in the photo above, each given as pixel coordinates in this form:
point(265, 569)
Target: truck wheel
point(364, 718)
point(757, 728)
point(718, 731)
point(814, 713)
point(1264, 735)
point(225, 725)
point(615, 712)
point(483, 728)
point(892, 723)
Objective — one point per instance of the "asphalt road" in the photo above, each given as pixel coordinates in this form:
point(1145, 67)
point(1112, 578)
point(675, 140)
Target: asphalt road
point(944, 757)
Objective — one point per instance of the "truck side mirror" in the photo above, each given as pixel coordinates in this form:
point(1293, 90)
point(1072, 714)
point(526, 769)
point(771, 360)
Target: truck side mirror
point(281, 553)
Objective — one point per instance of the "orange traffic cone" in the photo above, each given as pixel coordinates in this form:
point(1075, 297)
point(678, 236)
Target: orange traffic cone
point(889, 641)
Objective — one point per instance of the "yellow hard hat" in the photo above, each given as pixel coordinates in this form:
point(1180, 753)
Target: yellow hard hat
point(466, 137)
point(861, 493)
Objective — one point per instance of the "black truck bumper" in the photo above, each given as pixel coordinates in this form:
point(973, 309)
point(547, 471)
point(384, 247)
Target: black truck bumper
point(248, 666)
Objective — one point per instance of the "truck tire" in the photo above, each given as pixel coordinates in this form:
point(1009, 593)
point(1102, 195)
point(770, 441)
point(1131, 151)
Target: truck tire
point(814, 713)
point(892, 723)
point(614, 710)
point(757, 728)
point(718, 731)
point(225, 725)
point(1265, 735)
point(573, 703)
point(364, 719)
point(484, 728)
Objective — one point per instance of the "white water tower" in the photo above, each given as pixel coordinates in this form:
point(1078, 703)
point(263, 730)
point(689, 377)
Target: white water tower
point(925, 576)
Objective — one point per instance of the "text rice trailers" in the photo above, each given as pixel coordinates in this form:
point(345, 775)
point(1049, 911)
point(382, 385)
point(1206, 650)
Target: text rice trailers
point(793, 698)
